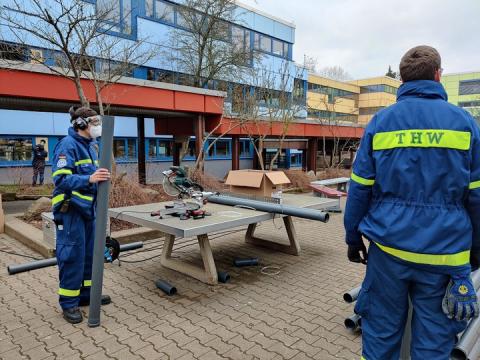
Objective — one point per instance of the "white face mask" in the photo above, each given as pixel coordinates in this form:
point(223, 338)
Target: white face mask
point(95, 131)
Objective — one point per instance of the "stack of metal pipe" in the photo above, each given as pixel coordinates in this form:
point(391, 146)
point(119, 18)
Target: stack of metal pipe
point(468, 341)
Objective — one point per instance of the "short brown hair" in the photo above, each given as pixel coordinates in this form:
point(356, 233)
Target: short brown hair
point(420, 63)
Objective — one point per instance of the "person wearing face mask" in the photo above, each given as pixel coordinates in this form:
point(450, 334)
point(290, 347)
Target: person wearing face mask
point(75, 176)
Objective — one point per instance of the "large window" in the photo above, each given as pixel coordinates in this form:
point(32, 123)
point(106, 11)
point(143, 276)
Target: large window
point(117, 13)
point(160, 10)
point(125, 149)
point(220, 149)
point(16, 149)
point(469, 87)
point(331, 92)
point(378, 88)
point(245, 150)
point(370, 111)
point(13, 52)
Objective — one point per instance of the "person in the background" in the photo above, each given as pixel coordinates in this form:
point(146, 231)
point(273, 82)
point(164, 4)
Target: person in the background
point(75, 175)
point(38, 162)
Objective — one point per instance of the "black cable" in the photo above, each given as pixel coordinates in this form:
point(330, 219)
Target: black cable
point(22, 255)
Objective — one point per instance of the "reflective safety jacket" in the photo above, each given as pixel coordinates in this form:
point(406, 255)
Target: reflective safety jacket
point(74, 160)
point(415, 185)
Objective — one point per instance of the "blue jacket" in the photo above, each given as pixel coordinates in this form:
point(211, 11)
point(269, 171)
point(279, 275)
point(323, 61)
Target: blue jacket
point(415, 188)
point(74, 160)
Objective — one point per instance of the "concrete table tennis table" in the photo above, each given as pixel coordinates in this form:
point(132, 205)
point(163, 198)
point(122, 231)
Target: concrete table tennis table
point(222, 217)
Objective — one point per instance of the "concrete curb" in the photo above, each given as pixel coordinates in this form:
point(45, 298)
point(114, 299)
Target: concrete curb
point(32, 237)
point(27, 234)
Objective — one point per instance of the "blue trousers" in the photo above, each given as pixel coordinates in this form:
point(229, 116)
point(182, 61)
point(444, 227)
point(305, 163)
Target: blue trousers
point(383, 305)
point(74, 251)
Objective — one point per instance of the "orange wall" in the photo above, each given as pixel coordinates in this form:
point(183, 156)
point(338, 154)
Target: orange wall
point(26, 84)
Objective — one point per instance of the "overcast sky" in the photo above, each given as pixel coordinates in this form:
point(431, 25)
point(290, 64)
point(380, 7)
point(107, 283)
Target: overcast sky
point(365, 36)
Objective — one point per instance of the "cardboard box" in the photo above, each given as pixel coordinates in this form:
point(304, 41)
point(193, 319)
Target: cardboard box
point(256, 182)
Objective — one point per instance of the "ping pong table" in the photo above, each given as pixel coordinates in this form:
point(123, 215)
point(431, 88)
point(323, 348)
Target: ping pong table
point(222, 217)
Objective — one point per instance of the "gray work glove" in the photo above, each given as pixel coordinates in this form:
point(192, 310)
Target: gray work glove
point(460, 301)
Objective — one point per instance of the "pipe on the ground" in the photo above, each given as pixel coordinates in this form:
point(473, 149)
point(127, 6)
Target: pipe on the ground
point(166, 287)
point(245, 262)
point(311, 214)
point(352, 295)
point(38, 264)
point(223, 277)
point(352, 322)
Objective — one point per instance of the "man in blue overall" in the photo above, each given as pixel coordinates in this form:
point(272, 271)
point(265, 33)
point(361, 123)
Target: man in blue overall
point(415, 195)
point(38, 162)
point(75, 175)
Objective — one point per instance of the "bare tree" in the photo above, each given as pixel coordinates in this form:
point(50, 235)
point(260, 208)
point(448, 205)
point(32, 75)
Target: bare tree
point(335, 73)
point(310, 63)
point(324, 110)
point(271, 105)
point(55, 26)
point(203, 46)
point(76, 35)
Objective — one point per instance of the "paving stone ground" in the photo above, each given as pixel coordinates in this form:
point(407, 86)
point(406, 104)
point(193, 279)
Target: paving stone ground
point(295, 314)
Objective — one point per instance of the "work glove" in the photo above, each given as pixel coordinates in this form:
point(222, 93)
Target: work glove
point(460, 300)
point(357, 253)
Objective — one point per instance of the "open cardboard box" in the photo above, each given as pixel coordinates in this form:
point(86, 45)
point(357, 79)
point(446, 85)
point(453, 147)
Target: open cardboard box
point(256, 182)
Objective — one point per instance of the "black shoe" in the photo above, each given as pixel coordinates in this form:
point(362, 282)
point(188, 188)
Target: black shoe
point(73, 315)
point(105, 301)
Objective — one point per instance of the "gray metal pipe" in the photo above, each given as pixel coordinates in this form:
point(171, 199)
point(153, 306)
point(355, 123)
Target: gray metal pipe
point(352, 322)
point(311, 214)
point(468, 340)
point(39, 264)
point(101, 222)
point(352, 295)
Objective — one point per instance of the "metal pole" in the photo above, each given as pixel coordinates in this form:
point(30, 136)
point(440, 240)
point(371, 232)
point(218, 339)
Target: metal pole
point(34, 265)
point(101, 223)
point(407, 334)
point(312, 214)
point(142, 177)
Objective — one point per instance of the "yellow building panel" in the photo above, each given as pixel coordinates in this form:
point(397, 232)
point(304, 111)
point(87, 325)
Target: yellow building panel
point(381, 80)
point(320, 102)
point(316, 79)
point(376, 100)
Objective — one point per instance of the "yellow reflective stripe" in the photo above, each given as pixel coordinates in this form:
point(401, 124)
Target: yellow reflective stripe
point(83, 161)
point(66, 292)
point(84, 197)
point(474, 185)
point(363, 181)
point(57, 199)
point(461, 258)
point(362, 358)
point(87, 282)
point(96, 162)
point(62, 171)
point(425, 138)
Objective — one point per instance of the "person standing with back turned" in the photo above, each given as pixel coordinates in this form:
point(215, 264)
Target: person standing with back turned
point(415, 195)
point(75, 175)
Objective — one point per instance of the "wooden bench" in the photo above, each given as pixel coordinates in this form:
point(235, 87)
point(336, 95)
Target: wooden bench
point(326, 192)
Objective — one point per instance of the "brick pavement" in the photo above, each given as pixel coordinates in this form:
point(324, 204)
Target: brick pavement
point(297, 314)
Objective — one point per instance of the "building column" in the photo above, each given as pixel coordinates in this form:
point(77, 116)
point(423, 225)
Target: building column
point(142, 175)
point(255, 162)
point(199, 129)
point(312, 154)
point(235, 152)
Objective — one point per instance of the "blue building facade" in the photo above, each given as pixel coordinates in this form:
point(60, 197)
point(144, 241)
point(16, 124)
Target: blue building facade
point(153, 22)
